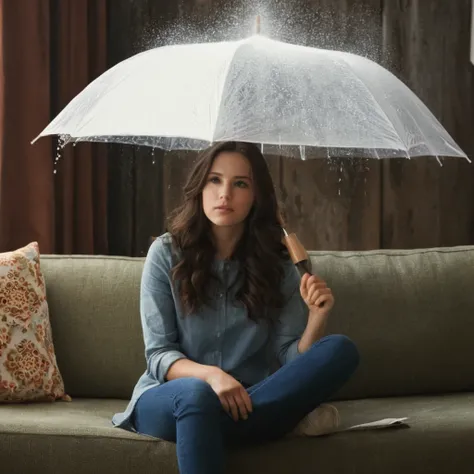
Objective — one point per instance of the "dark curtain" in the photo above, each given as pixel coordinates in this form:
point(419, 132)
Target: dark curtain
point(78, 56)
point(51, 49)
point(26, 171)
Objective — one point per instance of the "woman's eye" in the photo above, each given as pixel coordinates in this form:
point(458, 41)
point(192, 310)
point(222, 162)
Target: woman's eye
point(241, 184)
point(214, 179)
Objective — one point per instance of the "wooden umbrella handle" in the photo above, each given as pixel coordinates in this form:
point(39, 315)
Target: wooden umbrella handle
point(297, 252)
point(258, 25)
point(298, 255)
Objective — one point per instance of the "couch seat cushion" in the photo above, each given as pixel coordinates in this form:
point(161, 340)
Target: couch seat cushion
point(78, 438)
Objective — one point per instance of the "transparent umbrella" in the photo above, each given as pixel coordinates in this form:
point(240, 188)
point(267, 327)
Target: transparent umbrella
point(287, 98)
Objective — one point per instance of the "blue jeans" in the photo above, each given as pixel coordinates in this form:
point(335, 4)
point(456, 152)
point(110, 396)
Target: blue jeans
point(187, 411)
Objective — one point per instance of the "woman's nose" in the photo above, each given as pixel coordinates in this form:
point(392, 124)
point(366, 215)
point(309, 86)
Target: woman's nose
point(225, 191)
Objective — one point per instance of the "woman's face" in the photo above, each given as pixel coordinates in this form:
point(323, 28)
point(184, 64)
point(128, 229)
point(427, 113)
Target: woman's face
point(228, 194)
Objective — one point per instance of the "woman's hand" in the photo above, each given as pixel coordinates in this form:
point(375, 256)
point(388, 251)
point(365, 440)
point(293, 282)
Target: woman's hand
point(316, 294)
point(234, 398)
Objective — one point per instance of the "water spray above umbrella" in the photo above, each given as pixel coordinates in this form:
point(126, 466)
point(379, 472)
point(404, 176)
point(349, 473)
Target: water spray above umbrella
point(291, 100)
point(257, 90)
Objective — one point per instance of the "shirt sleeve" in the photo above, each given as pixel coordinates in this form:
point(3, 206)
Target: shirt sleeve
point(158, 313)
point(292, 319)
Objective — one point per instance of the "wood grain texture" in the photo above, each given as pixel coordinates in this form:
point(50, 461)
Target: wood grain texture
point(176, 168)
point(427, 45)
point(335, 204)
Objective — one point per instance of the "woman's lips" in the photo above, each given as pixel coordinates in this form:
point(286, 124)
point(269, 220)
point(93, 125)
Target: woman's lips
point(224, 210)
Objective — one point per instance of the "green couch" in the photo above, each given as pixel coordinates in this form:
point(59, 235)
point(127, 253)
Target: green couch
point(410, 312)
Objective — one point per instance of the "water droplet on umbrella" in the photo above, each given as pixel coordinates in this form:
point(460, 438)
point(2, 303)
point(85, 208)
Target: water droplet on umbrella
point(303, 152)
point(61, 144)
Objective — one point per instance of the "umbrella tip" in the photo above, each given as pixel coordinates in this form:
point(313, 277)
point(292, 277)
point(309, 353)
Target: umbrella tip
point(257, 25)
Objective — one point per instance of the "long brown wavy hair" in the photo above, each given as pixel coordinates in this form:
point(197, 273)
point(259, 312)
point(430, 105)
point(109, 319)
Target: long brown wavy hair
point(260, 250)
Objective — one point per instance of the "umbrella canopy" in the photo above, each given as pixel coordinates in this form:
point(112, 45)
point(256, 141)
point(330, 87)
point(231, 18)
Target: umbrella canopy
point(255, 90)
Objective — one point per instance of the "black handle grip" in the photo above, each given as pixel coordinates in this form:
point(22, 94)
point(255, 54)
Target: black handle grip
point(304, 267)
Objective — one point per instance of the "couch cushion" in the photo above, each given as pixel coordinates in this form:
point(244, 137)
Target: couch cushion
point(78, 438)
point(410, 312)
point(94, 304)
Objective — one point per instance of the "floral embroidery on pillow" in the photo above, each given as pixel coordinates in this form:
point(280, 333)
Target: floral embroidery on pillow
point(28, 367)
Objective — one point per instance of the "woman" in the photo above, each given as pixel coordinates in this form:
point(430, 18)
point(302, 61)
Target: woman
point(221, 302)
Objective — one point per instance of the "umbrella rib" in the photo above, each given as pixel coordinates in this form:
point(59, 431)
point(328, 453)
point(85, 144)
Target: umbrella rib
point(221, 92)
point(376, 101)
point(422, 133)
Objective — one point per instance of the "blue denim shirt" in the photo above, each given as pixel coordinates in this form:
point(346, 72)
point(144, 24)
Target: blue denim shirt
point(220, 334)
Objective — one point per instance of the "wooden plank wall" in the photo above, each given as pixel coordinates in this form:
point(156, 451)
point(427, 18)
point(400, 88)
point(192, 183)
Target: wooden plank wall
point(427, 45)
point(331, 204)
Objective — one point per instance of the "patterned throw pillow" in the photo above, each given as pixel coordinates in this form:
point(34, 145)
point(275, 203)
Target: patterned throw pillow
point(28, 367)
